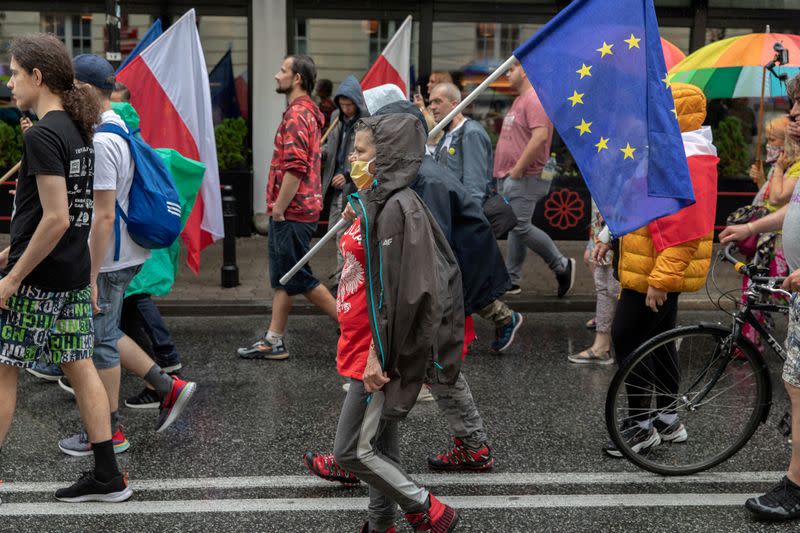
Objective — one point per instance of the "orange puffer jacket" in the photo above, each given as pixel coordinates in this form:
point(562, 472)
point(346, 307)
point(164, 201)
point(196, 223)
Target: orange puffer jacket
point(681, 268)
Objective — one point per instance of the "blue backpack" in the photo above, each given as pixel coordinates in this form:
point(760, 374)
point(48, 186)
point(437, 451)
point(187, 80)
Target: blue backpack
point(154, 209)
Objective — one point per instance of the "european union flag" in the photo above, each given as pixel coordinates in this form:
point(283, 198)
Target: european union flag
point(599, 71)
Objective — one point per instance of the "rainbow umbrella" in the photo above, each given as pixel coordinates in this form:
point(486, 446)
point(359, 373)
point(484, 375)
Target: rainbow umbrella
point(672, 54)
point(733, 68)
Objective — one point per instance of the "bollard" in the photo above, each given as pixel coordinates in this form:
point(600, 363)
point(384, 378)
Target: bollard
point(229, 271)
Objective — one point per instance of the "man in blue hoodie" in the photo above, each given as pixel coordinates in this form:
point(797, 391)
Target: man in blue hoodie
point(336, 177)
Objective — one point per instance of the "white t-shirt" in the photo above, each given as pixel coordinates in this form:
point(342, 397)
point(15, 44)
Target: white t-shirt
point(113, 171)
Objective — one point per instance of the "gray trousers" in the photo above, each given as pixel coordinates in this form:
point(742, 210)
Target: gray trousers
point(523, 195)
point(458, 407)
point(369, 447)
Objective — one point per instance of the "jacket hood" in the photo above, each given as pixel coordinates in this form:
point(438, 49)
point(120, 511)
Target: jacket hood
point(403, 106)
point(399, 147)
point(350, 88)
point(306, 102)
point(690, 106)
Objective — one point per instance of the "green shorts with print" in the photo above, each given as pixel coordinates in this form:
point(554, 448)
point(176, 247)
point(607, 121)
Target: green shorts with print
point(55, 327)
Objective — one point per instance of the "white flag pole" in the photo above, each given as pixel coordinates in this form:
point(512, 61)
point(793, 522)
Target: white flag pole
point(435, 131)
point(472, 96)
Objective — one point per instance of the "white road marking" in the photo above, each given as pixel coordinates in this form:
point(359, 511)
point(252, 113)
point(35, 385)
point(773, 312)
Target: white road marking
point(427, 479)
point(550, 501)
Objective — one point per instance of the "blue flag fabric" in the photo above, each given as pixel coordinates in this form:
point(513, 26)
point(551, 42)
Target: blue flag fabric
point(151, 35)
point(599, 71)
point(224, 102)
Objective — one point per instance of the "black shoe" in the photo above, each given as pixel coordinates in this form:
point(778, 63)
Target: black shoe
point(638, 439)
point(515, 289)
point(782, 502)
point(64, 384)
point(146, 399)
point(89, 489)
point(566, 279)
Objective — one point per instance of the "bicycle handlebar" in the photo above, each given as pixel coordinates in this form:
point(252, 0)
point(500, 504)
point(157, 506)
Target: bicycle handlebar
point(750, 270)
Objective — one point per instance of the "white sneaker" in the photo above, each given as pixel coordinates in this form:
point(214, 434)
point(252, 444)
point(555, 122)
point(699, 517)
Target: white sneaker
point(425, 394)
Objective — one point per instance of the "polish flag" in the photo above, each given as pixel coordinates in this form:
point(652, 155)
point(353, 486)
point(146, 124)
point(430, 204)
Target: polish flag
point(394, 63)
point(697, 220)
point(169, 88)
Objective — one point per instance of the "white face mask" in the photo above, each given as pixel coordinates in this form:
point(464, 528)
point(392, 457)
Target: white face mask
point(773, 153)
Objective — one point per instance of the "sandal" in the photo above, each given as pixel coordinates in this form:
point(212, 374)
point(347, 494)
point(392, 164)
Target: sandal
point(592, 324)
point(589, 357)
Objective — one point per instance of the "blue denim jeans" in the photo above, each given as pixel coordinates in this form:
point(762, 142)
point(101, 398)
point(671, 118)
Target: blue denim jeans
point(111, 288)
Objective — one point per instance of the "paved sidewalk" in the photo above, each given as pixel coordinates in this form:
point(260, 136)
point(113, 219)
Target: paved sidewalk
point(203, 294)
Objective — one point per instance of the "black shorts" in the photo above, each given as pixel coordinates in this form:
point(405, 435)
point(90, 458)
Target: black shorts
point(288, 242)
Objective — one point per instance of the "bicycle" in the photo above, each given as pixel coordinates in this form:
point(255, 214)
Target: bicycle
point(708, 374)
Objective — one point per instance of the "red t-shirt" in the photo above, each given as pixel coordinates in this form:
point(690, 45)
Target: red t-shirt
point(351, 307)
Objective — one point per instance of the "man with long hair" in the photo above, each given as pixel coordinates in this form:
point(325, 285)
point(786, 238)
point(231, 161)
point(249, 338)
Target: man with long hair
point(45, 296)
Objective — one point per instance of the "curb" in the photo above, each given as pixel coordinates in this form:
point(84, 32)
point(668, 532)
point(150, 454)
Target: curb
point(230, 308)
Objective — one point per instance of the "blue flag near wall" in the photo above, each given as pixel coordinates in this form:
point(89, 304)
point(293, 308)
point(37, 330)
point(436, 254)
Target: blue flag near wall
point(152, 34)
point(599, 70)
point(224, 102)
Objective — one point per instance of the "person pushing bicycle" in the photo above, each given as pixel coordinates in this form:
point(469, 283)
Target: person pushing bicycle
point(782, 502)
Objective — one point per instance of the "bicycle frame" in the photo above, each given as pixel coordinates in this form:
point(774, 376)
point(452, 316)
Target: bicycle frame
point(743, 316)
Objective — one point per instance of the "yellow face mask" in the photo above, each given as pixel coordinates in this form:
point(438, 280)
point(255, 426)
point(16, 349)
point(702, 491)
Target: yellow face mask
point(360, 174)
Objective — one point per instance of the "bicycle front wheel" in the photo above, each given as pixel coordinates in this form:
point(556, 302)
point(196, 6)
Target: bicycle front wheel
point(719, 393)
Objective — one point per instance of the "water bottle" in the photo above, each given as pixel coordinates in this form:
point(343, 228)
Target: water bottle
point(549, 170)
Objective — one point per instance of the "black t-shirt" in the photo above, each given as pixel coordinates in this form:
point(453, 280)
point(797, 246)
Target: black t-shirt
point(54, 147)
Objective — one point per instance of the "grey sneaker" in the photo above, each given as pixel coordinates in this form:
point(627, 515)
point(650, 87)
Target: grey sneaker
point(78, 445)
point(45, 372)
point(262, 349)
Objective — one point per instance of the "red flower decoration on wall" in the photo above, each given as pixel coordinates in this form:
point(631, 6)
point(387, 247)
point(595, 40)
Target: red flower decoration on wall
point(564, 209)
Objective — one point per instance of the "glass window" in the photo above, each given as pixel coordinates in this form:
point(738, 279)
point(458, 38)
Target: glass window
point(300, 37)
point(218, 34)
point(471, 51)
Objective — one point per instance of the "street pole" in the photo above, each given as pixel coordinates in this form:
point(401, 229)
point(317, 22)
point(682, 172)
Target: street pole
point(113, 23)
point(433, 133)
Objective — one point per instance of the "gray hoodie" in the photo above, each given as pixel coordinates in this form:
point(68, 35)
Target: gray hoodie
point(339, 144)
point(414, 299)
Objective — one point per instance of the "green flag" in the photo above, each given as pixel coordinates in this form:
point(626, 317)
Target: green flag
point(158, 272)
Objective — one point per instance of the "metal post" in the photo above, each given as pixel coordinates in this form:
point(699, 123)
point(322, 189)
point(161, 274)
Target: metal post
point(113, 22)
point(229, 272)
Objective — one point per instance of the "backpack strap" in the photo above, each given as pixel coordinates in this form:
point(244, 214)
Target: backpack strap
point(109, 127)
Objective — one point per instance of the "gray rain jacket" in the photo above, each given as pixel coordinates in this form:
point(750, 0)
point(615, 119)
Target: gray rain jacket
point(414, 298)
point(340, 141)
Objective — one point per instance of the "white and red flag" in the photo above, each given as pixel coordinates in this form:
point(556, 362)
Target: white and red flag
point(169, 88)
point(394, 63)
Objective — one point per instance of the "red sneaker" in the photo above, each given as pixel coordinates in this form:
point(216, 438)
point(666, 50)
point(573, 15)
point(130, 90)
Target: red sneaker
point(365, 529)
point(439, 518)
point(326, 467)
point(175, 402)
point(462, 458)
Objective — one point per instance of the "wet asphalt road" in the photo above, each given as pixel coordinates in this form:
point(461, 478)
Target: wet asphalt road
point(233, 462)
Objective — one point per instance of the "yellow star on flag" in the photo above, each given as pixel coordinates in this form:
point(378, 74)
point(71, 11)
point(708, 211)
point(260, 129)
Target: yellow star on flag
point(667, 82)
point(602, 145)
point(674, 112)
point(576, 98)
point(628, 151)
point(605, 50)
point(583, 127)
point(584, 71)
point(633, 42)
